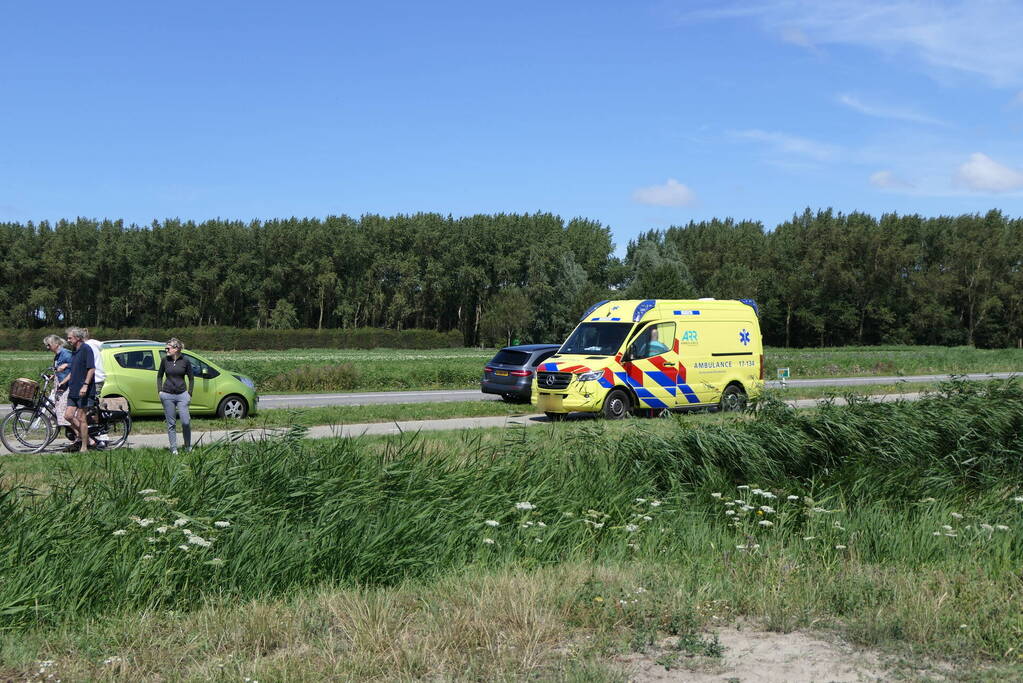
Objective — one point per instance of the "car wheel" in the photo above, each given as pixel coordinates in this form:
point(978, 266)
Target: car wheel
point(233, 408)
point(733, 398)
point(616, 405)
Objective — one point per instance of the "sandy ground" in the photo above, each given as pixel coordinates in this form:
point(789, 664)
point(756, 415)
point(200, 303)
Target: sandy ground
point(761, 656)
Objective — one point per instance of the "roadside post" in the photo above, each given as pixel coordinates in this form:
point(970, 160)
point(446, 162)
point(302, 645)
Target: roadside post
point(783, 374)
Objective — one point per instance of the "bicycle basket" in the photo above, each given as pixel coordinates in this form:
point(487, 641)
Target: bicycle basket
point(24, 391)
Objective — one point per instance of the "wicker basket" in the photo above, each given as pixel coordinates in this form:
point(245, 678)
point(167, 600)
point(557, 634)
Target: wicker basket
point(24, 391)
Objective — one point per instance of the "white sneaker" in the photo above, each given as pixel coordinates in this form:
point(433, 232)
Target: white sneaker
point(174, 451)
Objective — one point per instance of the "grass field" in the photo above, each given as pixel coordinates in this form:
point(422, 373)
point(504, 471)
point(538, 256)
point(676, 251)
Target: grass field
point(537, 552)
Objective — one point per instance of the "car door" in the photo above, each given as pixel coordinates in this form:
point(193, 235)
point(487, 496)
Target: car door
point(652, 367)
point(135, 379)
point(204, 395)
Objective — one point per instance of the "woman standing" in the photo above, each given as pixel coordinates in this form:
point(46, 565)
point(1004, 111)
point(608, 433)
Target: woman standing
point(62, 368)
point(173, 394)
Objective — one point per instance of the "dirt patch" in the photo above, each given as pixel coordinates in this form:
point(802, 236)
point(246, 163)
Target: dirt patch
point(762, 656)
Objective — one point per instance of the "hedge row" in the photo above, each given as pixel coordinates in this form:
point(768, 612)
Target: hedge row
point(235, 338)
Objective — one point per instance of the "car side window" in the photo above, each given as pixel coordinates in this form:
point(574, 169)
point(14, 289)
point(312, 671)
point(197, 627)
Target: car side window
point(543, 356)
point(199, 368)
point(135, 360)
point(653, 341)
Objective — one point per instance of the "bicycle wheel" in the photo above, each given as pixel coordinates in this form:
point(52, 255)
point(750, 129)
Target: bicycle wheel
point(116, 430)
point(26, 430)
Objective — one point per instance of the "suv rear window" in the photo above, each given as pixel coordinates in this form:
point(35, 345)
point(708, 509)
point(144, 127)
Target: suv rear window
point(511, 357)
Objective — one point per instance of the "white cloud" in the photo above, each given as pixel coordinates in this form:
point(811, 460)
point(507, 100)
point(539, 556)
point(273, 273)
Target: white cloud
point(978, 38)
point(886, 112)
point(671, 193)
point(887, 180)
point(792, 144)
point(984, 174)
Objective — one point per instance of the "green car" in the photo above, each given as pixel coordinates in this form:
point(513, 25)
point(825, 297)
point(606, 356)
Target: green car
point(130, 366)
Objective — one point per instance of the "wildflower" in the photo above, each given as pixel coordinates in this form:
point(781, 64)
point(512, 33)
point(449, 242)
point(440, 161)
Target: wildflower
point(147, 492)
point(936, 533)
point(655, 503)
point(809, 538)
point(715, 495)
point(598, 599)
point(623, 603)
point(987, 527)
point(640, 589)
point(767, 494)
point(647, 518)
point(569, 514)
point(183, 547)
point(120, 532)
point(839, 547)
point(742, 487)
point(747, 547)
point(641, 500)
point(819, 509)
point(161, 529)
point(730, 503)
point(631, 528)
point(199, 541)
point(186, 532)
point(1001, 527)
point(145, 522)
point(525, 505)
point(951, 534)
point(767, 508)
point(222, 524)
point(489, 541)
point(180, 522)
point(946, 527)
point(147, 557)
point(747, 508)
point(956, 515)
point(760, 512)
point(793, 498)
point(538, 540)
point(541, 525)
point(632, 545)
point(1018, 499)
point(765, 522)
point(729, 512)
point(492, 522)
point(928, 499)
point(150, 539)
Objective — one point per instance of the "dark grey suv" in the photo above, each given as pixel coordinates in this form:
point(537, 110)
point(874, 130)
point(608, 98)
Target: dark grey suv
point(510, 372)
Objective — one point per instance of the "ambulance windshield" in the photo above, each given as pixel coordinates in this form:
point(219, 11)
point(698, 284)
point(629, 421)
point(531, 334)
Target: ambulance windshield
point(596, 339)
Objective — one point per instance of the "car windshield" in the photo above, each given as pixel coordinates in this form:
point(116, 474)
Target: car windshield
point(597, 339)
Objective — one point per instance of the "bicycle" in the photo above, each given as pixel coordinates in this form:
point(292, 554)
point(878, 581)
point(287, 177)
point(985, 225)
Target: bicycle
point(32, 424)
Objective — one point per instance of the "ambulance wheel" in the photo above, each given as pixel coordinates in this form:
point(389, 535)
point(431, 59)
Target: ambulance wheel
point(555, 417)
point(733, 398)
point(616, 405)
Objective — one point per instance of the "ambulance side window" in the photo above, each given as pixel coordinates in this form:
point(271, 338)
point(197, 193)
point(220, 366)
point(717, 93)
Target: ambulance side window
point(653, 341)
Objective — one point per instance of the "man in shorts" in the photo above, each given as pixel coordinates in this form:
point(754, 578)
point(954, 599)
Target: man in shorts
point(81, 386)
point(96, 347)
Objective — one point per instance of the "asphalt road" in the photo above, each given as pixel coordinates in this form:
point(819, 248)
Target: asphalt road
point(269, 401)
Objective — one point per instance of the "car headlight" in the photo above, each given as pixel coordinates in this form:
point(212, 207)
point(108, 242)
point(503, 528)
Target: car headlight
point(590, 376)
point(247, 381)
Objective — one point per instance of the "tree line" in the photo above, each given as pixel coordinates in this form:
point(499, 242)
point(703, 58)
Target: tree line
point(823, 278)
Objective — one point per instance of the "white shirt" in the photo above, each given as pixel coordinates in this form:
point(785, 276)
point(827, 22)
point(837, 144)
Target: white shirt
point(97, 346)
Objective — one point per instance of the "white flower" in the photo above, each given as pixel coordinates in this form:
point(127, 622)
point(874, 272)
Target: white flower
point(946, 527)
point(120, 532)
point(951, 535)
point(180, 522)
point(147, 557)
point(936, 533)
point(222, 524)
point(1018, 499)
point(538, 540)
point(747, 547)
point(631, 528)
point(839, 547)
point(956, 515)
point(147, 492)
point(767, 494)
point(145, 522)
point(541, 525)
point(729, 512)
point(641, 500)
point(632, 545)
point(655, 503)
point(767, 508)
point(598, 525)
point(150, 539)
point(647, 518)
point(492, 522)
point(1001, 527)
point(730, 503)
point(525, 505)
point(793, 498)
point(569, 514)
point(183, 547)
point(742, 487)
point(489, 541)
point(747, 508)
point(186, 532)
point(199, 541)
point(765, 522)
point(715, 495)
point(161, 529)
point(987, 527)
point(809, 538)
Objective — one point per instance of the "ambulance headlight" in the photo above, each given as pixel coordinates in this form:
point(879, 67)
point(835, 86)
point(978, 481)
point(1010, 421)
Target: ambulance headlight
point(590, 376)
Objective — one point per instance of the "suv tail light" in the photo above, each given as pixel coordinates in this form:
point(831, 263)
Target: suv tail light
point(488, 369)
point(521, 373)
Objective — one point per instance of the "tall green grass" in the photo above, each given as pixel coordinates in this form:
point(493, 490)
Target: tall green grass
point(878, 479)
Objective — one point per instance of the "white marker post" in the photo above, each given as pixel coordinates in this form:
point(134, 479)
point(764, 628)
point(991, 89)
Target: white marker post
point(783, 374)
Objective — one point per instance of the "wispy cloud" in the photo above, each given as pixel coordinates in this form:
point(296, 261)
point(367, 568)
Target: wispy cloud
point(983, 174)
point(671, 193)
point(791, 144)
point(882, 111)
point(978, 38)
point(887, 180)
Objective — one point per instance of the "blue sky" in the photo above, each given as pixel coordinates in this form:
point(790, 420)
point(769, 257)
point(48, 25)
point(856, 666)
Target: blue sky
point(639, 115)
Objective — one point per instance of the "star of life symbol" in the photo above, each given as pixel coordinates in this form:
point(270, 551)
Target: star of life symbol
point(744, 337)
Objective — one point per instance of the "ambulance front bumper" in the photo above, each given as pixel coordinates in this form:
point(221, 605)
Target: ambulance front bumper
point(568, 401)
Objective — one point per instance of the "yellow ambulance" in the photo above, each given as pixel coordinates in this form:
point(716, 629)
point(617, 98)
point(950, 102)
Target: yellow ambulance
point(657, 354)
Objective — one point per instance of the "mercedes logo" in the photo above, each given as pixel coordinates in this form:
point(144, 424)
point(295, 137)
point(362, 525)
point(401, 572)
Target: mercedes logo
point(550, 380)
